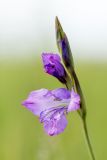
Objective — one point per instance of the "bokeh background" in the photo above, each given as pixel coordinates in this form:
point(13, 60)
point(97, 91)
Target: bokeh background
point(27, 30)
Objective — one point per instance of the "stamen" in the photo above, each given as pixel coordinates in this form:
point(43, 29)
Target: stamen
point(50, 113)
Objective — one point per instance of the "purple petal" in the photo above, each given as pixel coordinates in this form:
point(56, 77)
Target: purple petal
point(51, 112)
point(75, 102)
point(61, 93)
point(56, 124)
point(43, 99)
point(50, 57)
point(35, 100)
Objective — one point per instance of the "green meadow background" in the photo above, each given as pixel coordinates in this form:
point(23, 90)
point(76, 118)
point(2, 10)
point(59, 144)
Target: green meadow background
point(22, 136)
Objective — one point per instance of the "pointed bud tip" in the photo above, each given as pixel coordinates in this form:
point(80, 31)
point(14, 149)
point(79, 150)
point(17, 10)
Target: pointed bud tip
point(59, 31)
point(58, 24)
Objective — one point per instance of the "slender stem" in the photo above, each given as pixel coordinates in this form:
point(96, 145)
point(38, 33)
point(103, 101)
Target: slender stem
point(82, 112)
point(88, 139)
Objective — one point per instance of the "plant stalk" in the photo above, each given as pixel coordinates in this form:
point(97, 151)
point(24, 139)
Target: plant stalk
point(92, 156)
point(83, 116)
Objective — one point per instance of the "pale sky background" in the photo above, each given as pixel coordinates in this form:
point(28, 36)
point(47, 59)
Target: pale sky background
point(27, 27)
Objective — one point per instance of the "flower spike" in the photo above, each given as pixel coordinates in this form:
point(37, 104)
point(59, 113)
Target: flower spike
point(52, 106)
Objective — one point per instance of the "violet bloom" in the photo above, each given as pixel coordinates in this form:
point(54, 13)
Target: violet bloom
point(52, 65)
point(52, 106)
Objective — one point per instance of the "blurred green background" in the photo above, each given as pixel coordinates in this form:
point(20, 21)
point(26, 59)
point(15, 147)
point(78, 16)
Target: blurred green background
point(27, 28)
point(22, 136)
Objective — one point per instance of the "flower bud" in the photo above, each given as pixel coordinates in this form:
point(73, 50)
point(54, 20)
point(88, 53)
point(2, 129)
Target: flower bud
point(52, 65)
point(64, 48)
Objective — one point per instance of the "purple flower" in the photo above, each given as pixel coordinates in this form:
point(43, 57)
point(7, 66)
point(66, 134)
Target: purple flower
point(52, 106)
point(53, 66)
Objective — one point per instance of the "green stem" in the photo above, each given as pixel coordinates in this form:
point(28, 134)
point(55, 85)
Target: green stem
point(88, 139)
point(82, 113)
